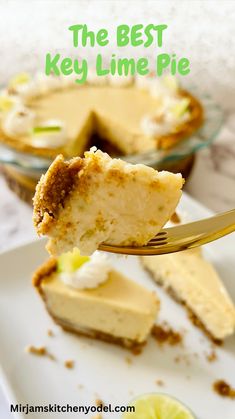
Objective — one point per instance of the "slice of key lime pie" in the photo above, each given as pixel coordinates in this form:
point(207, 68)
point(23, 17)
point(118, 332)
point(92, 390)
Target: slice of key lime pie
point(193, 281)
point(86, 295)
point(48, 115)
point(85, 202)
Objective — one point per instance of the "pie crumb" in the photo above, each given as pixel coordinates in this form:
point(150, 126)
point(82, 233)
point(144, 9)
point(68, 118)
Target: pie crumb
point(39, 351)
point(99, 402)
point(160, 383)
point(50, 333)
point(128, 360)
point(175, 218)
point(80, 386)
point(165, 334)
point(224, 389)
point(137, 350)
point(69, 364)
point(212, 356)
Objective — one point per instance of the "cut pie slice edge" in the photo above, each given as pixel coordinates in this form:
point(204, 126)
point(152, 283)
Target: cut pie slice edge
point(193, 281)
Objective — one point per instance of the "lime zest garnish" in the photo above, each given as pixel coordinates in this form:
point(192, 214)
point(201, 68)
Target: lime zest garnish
point(71, 261)
point(46, 129)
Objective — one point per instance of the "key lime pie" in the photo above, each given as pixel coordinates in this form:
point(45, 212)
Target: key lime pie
point(85, 202)
point(192, 280)
point(48, 115)
point(86, 295)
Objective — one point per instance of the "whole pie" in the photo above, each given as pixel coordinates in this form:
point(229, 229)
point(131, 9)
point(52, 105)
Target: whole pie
point(47, 115)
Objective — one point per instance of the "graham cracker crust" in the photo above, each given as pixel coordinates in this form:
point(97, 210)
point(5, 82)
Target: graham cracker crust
point(44, 272)
point(135, 347)
point(52, 190)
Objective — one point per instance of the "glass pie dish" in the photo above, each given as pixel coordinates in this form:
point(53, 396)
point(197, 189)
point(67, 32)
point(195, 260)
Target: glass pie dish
point(203, 137)
point(26, 169)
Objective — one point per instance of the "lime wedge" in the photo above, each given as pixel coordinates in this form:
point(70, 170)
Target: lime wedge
point(158, 406)
point(45, 129)
point(71, 261)
point(181, 107)
point(6, 103)
point(21, 78)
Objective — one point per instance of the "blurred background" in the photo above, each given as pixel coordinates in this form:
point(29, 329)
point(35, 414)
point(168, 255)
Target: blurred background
point(200, 30)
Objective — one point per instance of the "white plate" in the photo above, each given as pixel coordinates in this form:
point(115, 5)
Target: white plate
point(101, 370)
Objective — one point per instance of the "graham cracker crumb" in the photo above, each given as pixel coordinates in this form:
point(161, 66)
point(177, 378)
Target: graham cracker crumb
point(69, 364)
point(160, 383)
point(137, 350)
point(128, 360)
point(80, 386)
point(175, 218)
point(99, 402)
point(39, 351)
point(185, 358)
point(224, 389)
point(177, 359)
point(212, 356)
point(50, 333)
point(165, 334)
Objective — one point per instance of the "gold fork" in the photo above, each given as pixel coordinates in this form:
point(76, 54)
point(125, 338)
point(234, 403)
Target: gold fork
point(182, 237)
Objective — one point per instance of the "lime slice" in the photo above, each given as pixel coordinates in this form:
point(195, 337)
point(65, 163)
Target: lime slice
point(181, 107)
point(46, 129)
point(158, 406)
point(6, 103)
point(71, 261)
point(21, 78)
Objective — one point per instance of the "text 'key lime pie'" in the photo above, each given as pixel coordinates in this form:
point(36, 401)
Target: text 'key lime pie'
point(47, 115)
point(85, 202)
point(87, 296)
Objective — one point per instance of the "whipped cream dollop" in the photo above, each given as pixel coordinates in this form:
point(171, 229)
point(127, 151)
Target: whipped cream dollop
point(150, 126)
point(51, 134)
point(19, 121)
point(28, 91)
point(172, 108)
point(173, 111)
point(90, 274)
